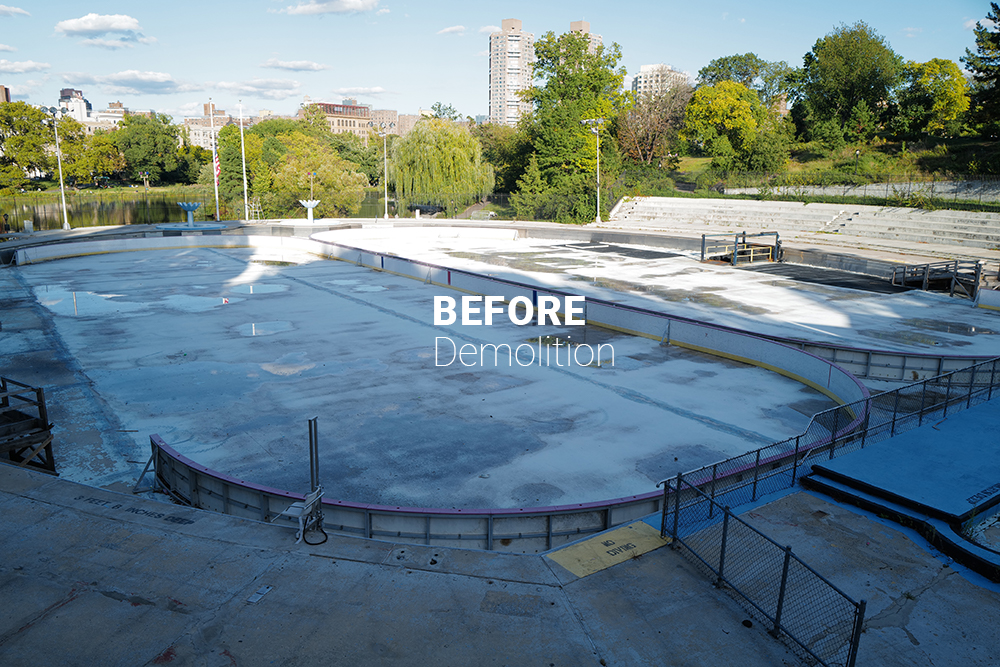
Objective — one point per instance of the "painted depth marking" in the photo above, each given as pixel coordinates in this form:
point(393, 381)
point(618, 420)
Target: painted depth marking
point(610, 548)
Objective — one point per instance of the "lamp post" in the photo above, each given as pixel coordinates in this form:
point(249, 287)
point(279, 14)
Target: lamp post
point(62, 188)
point(857, 154)
point(383, 130)
point(595, 126)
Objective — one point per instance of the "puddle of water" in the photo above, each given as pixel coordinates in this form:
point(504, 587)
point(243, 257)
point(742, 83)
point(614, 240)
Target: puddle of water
point(264, 328)
point(960, 328)
point(260, 288)
point(369, 288)
point(342, 282)
point(62, 301)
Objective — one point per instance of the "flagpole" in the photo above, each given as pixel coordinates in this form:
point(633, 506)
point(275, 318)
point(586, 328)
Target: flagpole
point(215, 157)
point(243, 151)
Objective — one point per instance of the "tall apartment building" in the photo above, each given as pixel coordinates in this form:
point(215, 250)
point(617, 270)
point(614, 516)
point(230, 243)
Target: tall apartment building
point(583, 27)
point(4, 94)
point(656, 79)
point(512, 54)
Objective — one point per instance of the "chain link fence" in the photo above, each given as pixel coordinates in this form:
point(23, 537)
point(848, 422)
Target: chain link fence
point(817, 618)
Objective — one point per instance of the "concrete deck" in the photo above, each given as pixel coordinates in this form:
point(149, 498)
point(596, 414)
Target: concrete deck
point(953, 483)
point(90, 576)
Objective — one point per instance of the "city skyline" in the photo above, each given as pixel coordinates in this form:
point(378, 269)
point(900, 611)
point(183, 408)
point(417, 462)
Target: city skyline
point(398, 55)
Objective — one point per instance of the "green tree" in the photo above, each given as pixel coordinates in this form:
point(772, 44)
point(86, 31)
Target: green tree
point(445, 111)
point(863, 124)
point(531, 192)
point(231, 167)
point(935, 98)
point(101, 158)
point(724, 120)
point(985, 67)
point(850, 65)
point(769, 79)
point(307, 165)
point(507, 150)
point(149, 144)
point(575, 84)
point(438, 162)
point(25, 138)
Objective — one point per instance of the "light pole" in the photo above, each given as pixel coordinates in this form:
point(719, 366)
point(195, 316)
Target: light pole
point(595, 126)
point(857, 154)
point(62, 188)
point(383, 130)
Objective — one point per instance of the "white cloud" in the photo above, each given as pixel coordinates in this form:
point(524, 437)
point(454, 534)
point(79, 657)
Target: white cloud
point(134, 82)
point(484, 52)
point(98, 24)
point(371, 91)
point(971, 23)
point(22, 66)
point(4, 47)
point(105, 31)
point(332, 7)
point(12, 11)
point(453, 30)
point(26, 89)
point(743, 20)
point(912, 32)
point(270, 89)
point(384, 10)
point(294, 65)
point(487, 29)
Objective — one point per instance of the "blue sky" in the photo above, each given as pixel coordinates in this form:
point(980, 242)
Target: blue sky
point(401, 54)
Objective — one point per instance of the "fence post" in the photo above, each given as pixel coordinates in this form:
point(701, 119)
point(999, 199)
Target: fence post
point(795, 461)
point(711, 506)
point(781, 592)
point(722, 548)
point(993, 371)
point(947, 393)
point(923, 393)
point(833, 431)
point(663, 510)
point(859, 621)
point(677, 503)
point(968, 400)
point(756, 474)
point(895, 410)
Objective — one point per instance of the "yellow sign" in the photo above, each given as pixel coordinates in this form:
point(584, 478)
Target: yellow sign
point(609, 548)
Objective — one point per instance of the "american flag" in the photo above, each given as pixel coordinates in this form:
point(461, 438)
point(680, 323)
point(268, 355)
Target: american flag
point(218, 168)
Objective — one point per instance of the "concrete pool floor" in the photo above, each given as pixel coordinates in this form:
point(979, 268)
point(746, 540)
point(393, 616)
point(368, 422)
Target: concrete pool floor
point(226, 354)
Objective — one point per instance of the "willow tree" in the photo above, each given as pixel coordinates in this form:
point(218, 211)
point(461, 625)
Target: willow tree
point(441, 163)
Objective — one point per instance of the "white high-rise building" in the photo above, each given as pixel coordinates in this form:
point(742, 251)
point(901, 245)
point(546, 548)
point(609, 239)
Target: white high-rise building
point(656, 79)
point(583, 27)
point(512, 54)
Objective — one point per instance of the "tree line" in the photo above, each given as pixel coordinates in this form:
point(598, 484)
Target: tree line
point(851, 92)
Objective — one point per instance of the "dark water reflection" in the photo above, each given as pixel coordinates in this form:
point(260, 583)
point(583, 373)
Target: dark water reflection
point(128, 207)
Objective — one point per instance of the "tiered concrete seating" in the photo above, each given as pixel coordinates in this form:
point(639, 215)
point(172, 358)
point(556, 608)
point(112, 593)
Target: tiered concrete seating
point(840, 224)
